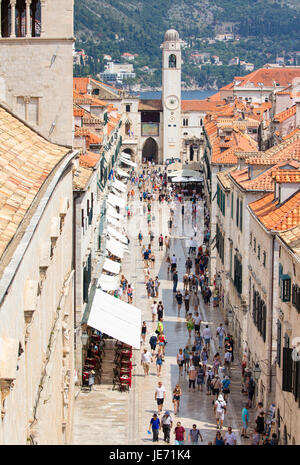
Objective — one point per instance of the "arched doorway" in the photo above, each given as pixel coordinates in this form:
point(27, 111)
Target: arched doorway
point(150, 151)
point(191, 153)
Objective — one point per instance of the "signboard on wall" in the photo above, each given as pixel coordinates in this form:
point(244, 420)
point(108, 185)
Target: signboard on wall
point(150, 129)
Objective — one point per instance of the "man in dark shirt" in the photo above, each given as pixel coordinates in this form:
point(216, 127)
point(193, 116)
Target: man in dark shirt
point(195, 359)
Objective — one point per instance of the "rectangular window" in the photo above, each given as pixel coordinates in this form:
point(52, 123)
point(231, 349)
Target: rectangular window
point(296, 297)
point(264, 259)
point(254, 245)
point(127, 108)
point(278, 343)
point(258, 252)
point(237, 212)
point(250, 239)
point(285, 288)
point(241, 215)
point(287, 369)
point(232, 200)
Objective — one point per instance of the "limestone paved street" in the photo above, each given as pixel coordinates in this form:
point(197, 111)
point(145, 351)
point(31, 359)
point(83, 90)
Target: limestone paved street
point(110, 417)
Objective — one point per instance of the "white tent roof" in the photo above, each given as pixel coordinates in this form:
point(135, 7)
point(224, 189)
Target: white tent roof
point(111, 211)
point(113, 221)
point(122, 173)
point(117, 235)
point(127, 162)
point(116, 318)
point(184, 173)
point(180, 179)
point(111, 266)
point(116, 201)
point(118, 243)
point(126, 155)
point(115, 248)
point(119, 186)
point(108, 283)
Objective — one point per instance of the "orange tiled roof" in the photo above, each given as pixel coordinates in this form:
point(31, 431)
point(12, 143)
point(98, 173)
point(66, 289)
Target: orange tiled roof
point(89, 159)
point(277, 217)
point(286, 114)
point(80, 84)
point(291, 134)
point(201, 105)
point(282, 76)
point(292, 239)
point(26, 161)
point(78, 111)
point(286, 176)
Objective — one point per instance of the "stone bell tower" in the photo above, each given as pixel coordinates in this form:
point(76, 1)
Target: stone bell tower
point(171, 94)
point(36, 64)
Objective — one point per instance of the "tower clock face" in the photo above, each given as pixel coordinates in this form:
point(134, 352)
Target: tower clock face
point(171, 102)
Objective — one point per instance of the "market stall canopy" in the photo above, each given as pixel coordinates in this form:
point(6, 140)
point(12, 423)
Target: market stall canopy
point(180, 179)
point(118, 243)
point(111, 211)
point(196, 179)
point(115, 248)
point(122, 173)
point(185, 173)
point(117, 235)
point(126, 155)
point(113, 221)
point(119, 186)
point(127, 162)
point(116, 318)
point(108, 283)
point(116, 201)
point(111, 266)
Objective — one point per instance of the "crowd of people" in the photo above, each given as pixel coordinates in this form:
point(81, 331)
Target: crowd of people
point(207, 372)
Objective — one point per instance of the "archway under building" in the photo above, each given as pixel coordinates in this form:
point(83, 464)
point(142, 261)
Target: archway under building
point(150, 151)
point(130, 152)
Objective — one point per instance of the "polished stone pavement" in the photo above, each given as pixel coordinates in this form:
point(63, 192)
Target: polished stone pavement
point(110, 417)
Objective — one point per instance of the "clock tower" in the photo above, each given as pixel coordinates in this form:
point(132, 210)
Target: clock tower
point(171, 95)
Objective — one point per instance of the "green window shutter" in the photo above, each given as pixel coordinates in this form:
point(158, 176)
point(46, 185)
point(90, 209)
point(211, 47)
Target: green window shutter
point(287, 369)
point(241, 215)
point(285, 288)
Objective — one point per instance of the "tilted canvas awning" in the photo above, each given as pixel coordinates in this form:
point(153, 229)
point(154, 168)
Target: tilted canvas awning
point(113, 221)
point(126, 155)
point(111, 211)
point(120, 184)
point(122, 173)
point(116, 318)
point(111, 266)
point(116, 201)
point(115, 248)
point(117, 235)
point(186, 173)
point(128, 162)
point(108, 283)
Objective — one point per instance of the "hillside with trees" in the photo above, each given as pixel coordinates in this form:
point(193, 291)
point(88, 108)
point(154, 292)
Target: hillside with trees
point(263, 31)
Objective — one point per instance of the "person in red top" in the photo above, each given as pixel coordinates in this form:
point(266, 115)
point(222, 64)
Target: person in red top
point(179, 432)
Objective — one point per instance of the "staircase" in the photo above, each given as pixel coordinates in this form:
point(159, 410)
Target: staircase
point(108, 362)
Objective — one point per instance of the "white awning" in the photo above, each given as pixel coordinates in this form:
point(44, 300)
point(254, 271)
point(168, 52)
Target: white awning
point(116, 201)
point(111, 266)
point(115, 248)
point(116, 318)
point(122, 173)
point(113, 221)
point(119, 186)
point(126, 155)
point(111, 211)
point(108, 283)
point(117, 243)
point(128, 162)
point(115, 191)
point(117, 235)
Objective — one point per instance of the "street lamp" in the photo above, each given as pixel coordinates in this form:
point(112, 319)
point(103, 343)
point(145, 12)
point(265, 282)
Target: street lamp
point(256, 372)
point(84, 338)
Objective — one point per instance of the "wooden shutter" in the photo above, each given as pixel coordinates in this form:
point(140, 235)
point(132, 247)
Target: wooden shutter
point(278, 343)
point(264, 321)
point(287, 369)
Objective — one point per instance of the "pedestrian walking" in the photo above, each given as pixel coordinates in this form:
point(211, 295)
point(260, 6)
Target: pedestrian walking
point(187, 357)
point(207, 336)
point(185, 281)
point(160, 310)
point(260, 423)
point(219, 441)
point(195, 301)
point(166, 425)
point(146, 359)
point(255, 441)
point(175, 280)
point(192, 374)
point(159, 361)
point(204, 358)
point(220, 410)
point(179, 434)
point(186, 301)
point(230, 437)
point(144, 332)
point(250, 390)
point(227, 363)
point(179, 299)
point(154, 310)
point(198, 341)
point(153, 342)
point(226, 387)
point(216, 386)
point(188, 265)
point(220, 334)
point(160, 395)
point(195, 435)
point(200, 378)
point(190, 324)
point(180, 361)
point(197, 320)
point(160, 326)
point(156, 286)
point(216, 363)
point(161, 242)
point(209, 376)
point(140, 237)
point(130, 293)
point(173, 263)
point(245, 420)
point(177, 393)
point(154, 425)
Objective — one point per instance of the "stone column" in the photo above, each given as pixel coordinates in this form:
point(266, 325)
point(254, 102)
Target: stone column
point(43, 4)
point(28, 31)
point(13, 18)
